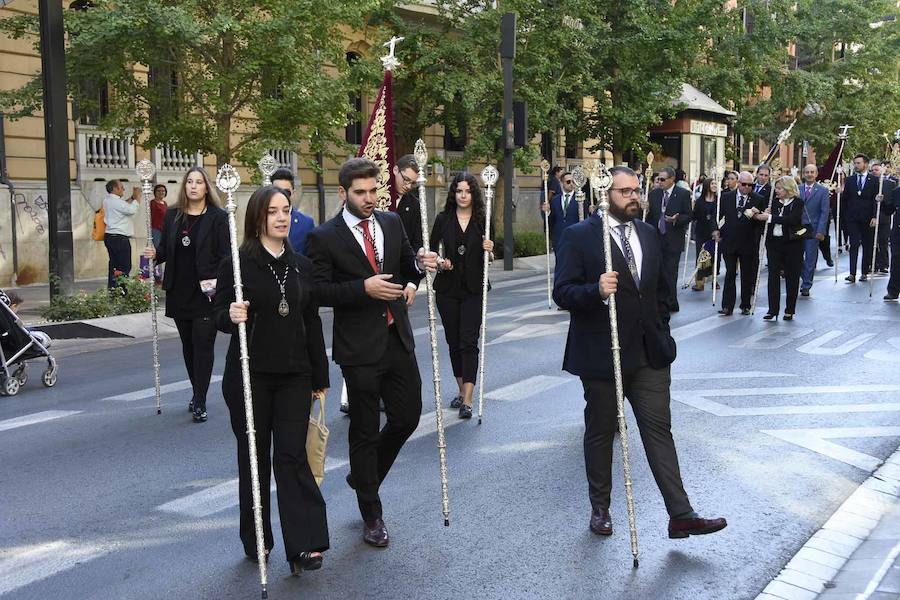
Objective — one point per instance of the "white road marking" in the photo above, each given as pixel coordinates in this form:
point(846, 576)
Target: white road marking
point(38, 417)
point(513, 282)
point(23, 565)
point(163, 389)
point(528, 387)
point(886, 355)
point(526, 332)
point(701, 400)
point(680, 334)
point(815, 346)
point(728, 375)
point(817, 441)
point(773, 338)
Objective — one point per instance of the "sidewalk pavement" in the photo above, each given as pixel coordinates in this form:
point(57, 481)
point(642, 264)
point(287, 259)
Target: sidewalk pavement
point(855, 554)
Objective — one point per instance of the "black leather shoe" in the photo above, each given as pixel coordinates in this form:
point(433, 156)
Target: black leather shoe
point(745, 311)
point(890, 298)
point(770, 317)
point(456, 402)
point(345, 408)
point(191, 406)
point(726, 312)
point(804, 293)
point(830, 263)
point(864, 278)
point(850, 278)
point(305, 561)
point(465, 411)
point(349, 480)
point(788, 317)
point(682, 528)
point(375, 533)
point(601, 522)
point(199, 415)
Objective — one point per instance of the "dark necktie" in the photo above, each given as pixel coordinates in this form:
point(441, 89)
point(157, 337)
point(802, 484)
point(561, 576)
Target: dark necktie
point(623, 231)
point(662, 214)
point(371, 254)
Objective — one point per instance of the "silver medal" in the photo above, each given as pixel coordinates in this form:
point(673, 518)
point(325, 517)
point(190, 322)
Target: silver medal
point(283, 308)
point(186, 241)
point(462, 249)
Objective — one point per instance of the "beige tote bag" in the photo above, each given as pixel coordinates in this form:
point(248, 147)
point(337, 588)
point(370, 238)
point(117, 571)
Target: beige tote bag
point(317, 441)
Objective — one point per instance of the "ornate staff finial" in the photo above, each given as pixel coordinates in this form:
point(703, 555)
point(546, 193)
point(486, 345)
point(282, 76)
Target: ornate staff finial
point(489, 175)
point(267, 166)
point(390, 61)
point(545, 169)
point(784, 135)
point(145, 170)
point(228, 181)
point(845, 130)
point(421, 154)
point(579, 177)
point(601, 181)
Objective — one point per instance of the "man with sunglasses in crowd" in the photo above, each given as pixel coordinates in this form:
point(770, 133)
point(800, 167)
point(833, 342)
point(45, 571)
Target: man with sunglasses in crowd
point(301, 224)
point(563, 209)
point(670, 212)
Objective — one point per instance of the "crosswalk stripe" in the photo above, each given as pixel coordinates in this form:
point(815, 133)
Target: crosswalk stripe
point(38, 417)
point(528, 387)
point(163, 389)
point(23, 565)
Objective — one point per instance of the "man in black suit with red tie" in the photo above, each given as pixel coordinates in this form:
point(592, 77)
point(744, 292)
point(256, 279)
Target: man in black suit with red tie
point(858, 219)
point(362, 261)
point(739, 242)
point(670, 212)
point(583, 287)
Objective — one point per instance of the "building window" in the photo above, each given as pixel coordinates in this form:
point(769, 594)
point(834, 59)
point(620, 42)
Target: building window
point(164, 82)
point(456, 128)
point(547, 146)
point(572, 144)
point(353, 133)
point(746, 151)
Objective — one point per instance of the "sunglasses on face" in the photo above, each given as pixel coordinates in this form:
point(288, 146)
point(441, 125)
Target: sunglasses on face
point(745, 183)
point(568, 182)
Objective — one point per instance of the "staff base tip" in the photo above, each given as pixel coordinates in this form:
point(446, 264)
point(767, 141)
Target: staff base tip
point(446, 522)
point(159, 411)
point(265, 594)
point(479, 420)
point(635, 564)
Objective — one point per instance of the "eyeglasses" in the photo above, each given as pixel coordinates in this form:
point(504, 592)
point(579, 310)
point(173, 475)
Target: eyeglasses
point(627, 191)
point(407, 180)
point(661, 178)
point(744, 183)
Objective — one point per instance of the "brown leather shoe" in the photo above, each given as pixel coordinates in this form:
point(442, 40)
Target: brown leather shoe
point(682, 528)
point(375, 533)
point(601, 522)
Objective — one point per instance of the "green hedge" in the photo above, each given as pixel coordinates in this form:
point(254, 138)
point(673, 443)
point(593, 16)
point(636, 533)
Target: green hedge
point(525, 243)
point(131, 296)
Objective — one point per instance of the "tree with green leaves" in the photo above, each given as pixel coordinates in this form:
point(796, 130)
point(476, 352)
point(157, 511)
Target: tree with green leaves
point(225, 77)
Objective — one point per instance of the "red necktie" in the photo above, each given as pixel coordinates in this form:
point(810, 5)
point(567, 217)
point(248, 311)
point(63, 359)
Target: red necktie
point(370, 254)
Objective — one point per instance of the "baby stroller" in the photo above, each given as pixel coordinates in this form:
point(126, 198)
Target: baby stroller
point(17, 346)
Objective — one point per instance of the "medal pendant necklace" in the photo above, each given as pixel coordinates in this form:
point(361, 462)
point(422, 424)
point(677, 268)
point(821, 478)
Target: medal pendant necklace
point(186, 233)
point(284, 308)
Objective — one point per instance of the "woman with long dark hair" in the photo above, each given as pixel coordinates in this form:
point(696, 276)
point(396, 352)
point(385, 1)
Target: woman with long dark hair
point(288, 366)
point(193, 243)
point(458, 285)
point(704, 225)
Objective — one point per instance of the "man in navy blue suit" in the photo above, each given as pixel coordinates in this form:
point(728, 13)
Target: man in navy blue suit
point(583, 287)
point(858, 202)
point(815, 198)
point(301, 224)
point(563, 209)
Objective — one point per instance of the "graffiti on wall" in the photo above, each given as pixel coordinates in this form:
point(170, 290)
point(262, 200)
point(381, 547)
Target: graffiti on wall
point(34, 210)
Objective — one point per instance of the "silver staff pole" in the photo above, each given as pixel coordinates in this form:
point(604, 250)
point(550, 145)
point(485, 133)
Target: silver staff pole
point(687, 246)
point(602, 181)
point(421, 155)
point(545, 170)
point(579, 178)
point(875, 237)
point(228, 180)
point(648, 172)
point(761, 253)
point(145, 170)
point(715, 265)
point(838, 171)
point(267, 166)
point(489, 176)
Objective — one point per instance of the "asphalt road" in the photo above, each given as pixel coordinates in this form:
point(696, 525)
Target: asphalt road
point(775, 425)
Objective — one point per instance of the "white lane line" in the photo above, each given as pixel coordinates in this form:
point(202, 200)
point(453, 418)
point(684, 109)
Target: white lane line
point(798, 390)
point(728, 375)
point(679, 334)
point(220, 497)
point(528, 387)
point(38, 417)
point(23, 565)
point(513, 282)
point(817, 441)
point(163, 389)
point(879, 575)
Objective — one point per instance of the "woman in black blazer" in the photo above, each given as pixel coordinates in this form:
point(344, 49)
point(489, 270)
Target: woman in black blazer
point(458, 285)
point(194, 242)
point(784, 246)
point(288, 366)
point(704, 225)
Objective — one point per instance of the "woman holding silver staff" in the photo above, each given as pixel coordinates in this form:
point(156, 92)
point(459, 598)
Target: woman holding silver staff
point(705, 223)
point(784, 245)
point(460, 229)
point(644, 343)
point(193, 244)
point(288, 366)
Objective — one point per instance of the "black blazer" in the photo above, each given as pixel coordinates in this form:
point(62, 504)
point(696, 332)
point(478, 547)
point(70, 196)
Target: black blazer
point(444, 230)
point(643, 314)
point(792, 217)
point(213, 245)
point(859, 205)
point(740, 235)
point(411, 217)
point(703, 225)
point(293, 344)
point(680, 204)
point(340, 268)
point(764, 192)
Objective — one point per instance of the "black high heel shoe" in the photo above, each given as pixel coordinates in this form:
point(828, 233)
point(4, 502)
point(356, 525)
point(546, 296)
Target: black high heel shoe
point(770, 317)
point(788, 317)
point(465, 411)
point(456, 402)
point(306, 561)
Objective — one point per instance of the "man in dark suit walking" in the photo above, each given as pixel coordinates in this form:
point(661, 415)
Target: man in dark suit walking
point(563, 209)
point(670, 212)
point(883, 235)
point(763, 187)
point(362, 261)
point(858, 201)
point(583, 287)
point(893, 286)
point(739, 243)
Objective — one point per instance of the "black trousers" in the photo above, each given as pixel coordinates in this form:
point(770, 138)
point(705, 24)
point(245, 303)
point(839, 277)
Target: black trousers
point(671, 263)
point(860, 234)
point(281, 405)
point(198, 346)
point(394, 379)
point(882, 260)
point(119, 249)
point(647, 389)
point(749, 264)
point(825, 244)
point(788, 257)
point(461, 317)
point(893, 286)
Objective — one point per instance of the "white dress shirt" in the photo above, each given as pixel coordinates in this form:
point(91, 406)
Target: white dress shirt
point(777, 229)
point(117, 215)
point(375, 230)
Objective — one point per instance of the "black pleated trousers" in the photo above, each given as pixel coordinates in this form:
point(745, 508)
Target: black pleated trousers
point(198, 347)
point(281, 404)
point(787, 257)
point(749, 264)
point(860, 234)
point(461, 317)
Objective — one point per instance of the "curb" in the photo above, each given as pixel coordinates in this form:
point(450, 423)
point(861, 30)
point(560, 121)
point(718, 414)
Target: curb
point(815, 565)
